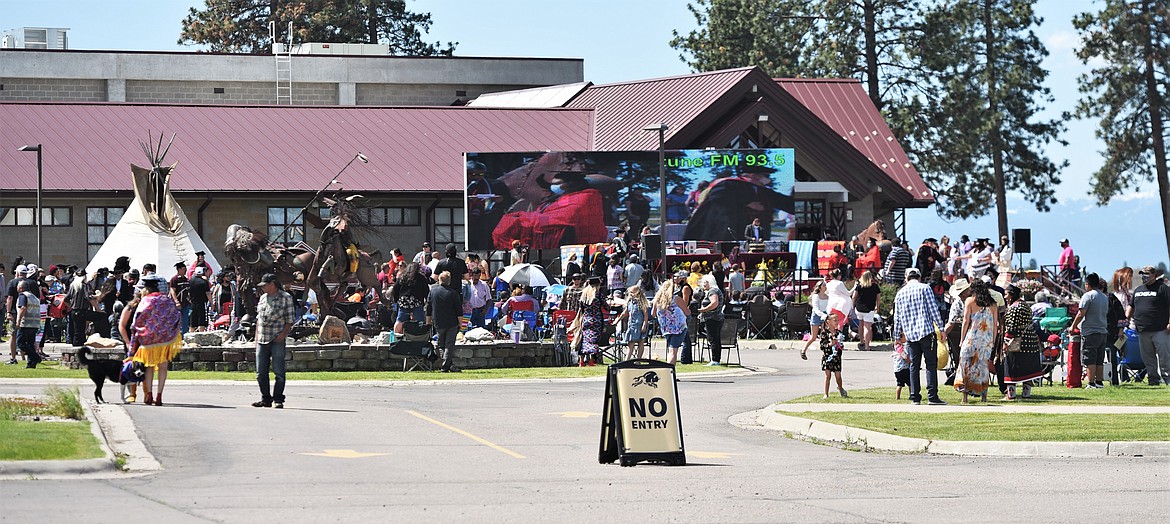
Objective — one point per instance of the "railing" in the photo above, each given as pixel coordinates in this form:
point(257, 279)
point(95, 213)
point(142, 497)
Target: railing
point(1051, 279)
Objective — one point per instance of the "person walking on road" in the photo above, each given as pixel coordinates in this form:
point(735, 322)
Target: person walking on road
point(916, 319)
point(275, 315)
point(445, 307)
point(156, 337)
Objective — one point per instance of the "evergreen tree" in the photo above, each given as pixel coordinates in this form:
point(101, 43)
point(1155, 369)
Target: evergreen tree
point(241, 26)
point(1128, 92)
point(770, 34)
point(1033, 264)
point(983, 128)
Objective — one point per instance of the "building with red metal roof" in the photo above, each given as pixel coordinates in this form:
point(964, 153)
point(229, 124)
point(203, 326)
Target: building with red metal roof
point(259, 164)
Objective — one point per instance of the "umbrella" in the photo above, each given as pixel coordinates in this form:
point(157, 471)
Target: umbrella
point(526, 274)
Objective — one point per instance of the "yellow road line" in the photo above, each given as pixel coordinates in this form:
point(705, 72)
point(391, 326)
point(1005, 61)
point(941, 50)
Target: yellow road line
point(496, 447)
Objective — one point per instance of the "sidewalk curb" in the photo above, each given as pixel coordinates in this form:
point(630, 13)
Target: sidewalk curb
point(116, 435)
point(251, 382)
point(867, 440)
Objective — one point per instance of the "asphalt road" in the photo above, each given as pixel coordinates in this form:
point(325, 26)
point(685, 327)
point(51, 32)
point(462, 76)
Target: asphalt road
point(527, 452)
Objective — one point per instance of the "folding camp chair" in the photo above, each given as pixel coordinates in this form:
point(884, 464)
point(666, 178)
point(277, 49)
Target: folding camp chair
point(761, 318)
point(728, 338)
point(796, 319)
point(415, 347)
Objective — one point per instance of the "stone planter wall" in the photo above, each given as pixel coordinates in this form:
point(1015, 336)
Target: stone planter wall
point(344, 357)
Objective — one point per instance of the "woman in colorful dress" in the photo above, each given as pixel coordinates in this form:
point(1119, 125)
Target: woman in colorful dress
point(592, 320)
point(1021, 347)
point(980, 317)
point(155, 339)
point(830, 352)
point(672, 319)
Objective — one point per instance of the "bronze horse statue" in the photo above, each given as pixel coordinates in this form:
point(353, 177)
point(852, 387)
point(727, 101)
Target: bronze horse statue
point(337, 260)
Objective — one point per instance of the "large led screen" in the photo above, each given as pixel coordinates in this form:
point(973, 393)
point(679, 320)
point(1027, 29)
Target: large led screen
point(549, 199)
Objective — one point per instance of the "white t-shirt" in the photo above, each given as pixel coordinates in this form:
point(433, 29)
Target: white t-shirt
point(980, 260)
point(839, 297)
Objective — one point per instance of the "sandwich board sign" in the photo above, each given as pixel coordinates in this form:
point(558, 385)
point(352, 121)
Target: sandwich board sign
point(640, 421)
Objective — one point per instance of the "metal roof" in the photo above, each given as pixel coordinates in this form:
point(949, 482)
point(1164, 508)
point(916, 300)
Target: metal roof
point(843, 105)
point(623, 109)
point(550, 96)
point(271, 148)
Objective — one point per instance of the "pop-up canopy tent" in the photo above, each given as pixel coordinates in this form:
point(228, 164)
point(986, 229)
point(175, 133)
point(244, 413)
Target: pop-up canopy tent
point(154, 228)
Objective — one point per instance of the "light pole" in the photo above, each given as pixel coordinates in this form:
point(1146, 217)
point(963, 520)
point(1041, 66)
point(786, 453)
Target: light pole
point(331, 181)
point(661, 129)
point(38, 218)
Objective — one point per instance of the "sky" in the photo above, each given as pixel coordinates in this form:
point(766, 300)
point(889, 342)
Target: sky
point(629, 40)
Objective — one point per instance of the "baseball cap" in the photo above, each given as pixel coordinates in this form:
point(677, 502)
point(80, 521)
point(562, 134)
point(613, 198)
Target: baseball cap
point(268, 277)
point(21, 269)
point(1147, 270)
point(913, 272)
point(1064, 241)
point(682, 273)
point(32, 268)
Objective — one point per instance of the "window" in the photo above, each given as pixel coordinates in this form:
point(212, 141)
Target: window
point(23, 216)
point(281, 217)
point(810, 212)
point(100, 221)
point(384, 216)
point(449, 225)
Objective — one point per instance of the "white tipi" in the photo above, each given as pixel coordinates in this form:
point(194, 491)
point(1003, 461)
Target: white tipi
point(154, 228)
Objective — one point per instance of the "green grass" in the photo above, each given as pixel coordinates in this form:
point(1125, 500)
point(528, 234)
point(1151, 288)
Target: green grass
point(1123, 395)
point(26, 439)
point(56, 370)
point(1005, 426)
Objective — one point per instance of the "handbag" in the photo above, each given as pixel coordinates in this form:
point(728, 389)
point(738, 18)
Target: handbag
point(1013, 345)
point(575, 333)
point(941, 347)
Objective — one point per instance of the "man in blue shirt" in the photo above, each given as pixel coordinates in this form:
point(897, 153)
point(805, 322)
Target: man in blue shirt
point(915, 320)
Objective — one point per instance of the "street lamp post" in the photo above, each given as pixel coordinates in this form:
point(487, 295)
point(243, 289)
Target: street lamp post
point(38, 218)
point(661, 129)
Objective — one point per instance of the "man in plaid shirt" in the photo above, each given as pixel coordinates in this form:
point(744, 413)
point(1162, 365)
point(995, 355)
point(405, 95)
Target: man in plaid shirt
point(915, 320)
point(275, 315)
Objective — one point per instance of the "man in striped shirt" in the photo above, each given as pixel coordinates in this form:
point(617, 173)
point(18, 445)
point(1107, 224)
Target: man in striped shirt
point(896, 263)
point(915, 320)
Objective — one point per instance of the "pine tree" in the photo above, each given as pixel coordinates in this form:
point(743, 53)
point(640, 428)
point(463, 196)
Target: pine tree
point(241, 26)
point(1128, 93)
point(770, 34)
point(986, 136)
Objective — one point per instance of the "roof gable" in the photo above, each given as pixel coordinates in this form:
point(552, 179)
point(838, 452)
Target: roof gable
point(843, 105)
point(702, 109)
point(248, 148)
point(623, 109)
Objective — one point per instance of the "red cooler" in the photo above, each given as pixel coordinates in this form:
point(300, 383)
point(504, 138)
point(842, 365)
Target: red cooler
point(1073, 361)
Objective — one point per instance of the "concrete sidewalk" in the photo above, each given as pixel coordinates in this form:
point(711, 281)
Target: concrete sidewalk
point(867, 440)
point(972, 408)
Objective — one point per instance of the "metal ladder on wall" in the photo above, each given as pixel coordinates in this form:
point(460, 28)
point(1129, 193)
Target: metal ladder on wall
point(283, 54)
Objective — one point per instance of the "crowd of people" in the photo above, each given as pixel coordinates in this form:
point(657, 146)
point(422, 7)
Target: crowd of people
point(961, 293)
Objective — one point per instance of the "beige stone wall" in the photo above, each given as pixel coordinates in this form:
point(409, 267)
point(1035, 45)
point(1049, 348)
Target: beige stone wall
point(203, 92)
point(57, 89)
point(421, 94)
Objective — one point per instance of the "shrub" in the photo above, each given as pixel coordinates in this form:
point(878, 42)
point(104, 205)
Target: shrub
point(886, 304)
point(65, 403)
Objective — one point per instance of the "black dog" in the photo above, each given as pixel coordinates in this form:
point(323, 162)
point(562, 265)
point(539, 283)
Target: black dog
point(100, 370)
